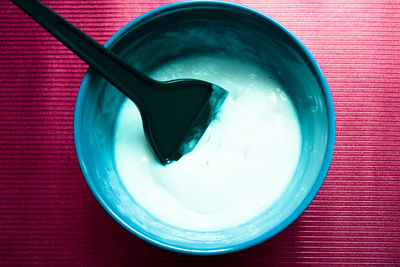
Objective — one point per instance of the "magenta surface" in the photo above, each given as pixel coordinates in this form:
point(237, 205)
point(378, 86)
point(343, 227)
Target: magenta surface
point(49, 216)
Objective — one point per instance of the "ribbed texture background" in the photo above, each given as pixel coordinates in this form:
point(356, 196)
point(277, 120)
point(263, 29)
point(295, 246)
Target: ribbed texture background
point(49, 216)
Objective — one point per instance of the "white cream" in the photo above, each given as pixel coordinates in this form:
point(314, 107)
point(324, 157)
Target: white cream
point(242, 164)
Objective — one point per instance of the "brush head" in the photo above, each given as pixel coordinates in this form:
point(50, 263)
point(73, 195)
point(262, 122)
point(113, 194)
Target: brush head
point(201, 122)
point(178, 116)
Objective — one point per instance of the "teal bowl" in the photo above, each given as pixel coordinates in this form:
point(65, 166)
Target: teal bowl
point(162, 35)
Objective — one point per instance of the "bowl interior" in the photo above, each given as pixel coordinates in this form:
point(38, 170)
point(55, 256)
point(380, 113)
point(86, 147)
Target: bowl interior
point(205, 28)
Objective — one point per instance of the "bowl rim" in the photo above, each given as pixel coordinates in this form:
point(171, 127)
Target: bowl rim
point(281, 226)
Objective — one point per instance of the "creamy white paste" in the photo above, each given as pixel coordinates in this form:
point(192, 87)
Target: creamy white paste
point(242, 164)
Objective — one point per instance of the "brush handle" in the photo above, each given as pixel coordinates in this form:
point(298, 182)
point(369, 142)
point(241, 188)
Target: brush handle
point(128, 80)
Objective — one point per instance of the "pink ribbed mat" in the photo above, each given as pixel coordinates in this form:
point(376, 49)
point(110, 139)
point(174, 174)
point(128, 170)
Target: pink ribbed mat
point(49, 216)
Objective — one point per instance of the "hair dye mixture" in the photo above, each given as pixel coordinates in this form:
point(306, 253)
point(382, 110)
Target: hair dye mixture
point(241, 165)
